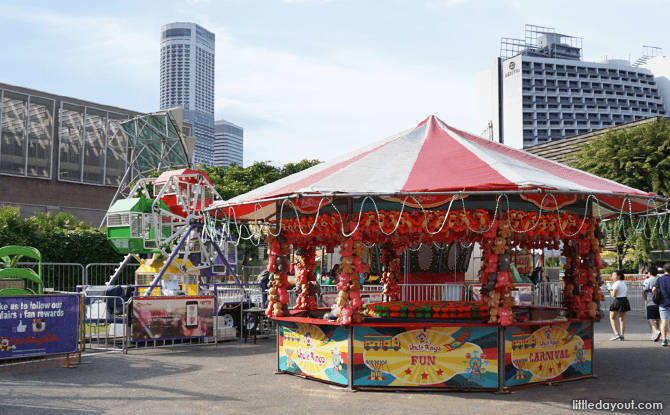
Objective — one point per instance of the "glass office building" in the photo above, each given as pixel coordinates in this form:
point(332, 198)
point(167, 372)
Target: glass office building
point(229, 144)
point(60, 153)
point(187, 80)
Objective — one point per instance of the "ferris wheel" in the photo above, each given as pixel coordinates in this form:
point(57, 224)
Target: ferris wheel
point(167, 215)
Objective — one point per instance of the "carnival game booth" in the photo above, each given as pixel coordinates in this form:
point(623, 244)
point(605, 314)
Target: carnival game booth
point(436, 185)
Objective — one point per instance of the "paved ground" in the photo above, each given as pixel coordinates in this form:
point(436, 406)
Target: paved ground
point(237, 378)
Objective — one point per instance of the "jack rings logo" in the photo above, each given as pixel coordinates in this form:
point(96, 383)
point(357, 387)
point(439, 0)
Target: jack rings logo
point(511, 66)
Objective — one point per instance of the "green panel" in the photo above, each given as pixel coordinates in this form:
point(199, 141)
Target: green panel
point(25, 273)
point(135, 204)
point(20, 250)
point(118, 232)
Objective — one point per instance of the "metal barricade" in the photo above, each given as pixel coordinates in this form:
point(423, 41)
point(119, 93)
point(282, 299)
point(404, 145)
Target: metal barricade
point(432, 292)
point(63, 277)
point(248, 274)
point(100, 273)
point(103, 328)
point(634, 296)
point(232, 299)
point(548, 294)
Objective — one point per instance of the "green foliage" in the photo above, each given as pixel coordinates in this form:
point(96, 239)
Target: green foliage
point(638, 157)
point(235, 180)
point(59, 238)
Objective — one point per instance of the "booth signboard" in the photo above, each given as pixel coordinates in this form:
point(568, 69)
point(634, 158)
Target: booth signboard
point(314, 351)
point(553, 352)
point(523, 294)
point(461, 357)
point(38, 325)
point(172, 317)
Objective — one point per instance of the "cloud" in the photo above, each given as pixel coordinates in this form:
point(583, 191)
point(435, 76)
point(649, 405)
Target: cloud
point(444, 4)
point(294, 107)
point(307, 1)
point(93, 44)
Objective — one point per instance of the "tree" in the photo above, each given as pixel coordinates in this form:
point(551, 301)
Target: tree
point(235, 180)
point(638, 157)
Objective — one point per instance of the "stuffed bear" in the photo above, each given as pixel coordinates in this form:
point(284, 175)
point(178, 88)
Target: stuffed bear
point(358, 247)
point(345, 315)
point(503, 262)
point(507, 300)
point(568, 290)
point(277, 312)
point(499, 246)
point(505, 316)
point(504, 229)
point(347, 248)
point(592, 309)
point(503, 282)
point(348, 264)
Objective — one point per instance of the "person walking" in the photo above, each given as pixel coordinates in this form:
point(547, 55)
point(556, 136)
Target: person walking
point(620, 306)
point(653, 317)
point(663, 285)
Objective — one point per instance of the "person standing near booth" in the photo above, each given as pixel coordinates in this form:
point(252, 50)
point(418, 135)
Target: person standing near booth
point(653, 317)
point(663, 285)
point(620, 306)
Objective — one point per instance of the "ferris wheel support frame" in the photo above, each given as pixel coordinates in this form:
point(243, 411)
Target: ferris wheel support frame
point(175, 252)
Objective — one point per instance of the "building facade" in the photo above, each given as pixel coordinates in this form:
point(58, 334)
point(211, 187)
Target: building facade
point(540, 90)
point(60, 154)
point(229, 144)
point(187, 80)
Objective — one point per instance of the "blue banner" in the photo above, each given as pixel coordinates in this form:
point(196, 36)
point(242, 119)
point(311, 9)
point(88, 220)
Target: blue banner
point(38, 325)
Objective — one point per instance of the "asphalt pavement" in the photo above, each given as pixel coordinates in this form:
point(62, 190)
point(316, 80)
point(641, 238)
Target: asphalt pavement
point(238, 378)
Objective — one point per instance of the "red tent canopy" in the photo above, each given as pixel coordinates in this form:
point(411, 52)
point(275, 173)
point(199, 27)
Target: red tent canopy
point(436, 159)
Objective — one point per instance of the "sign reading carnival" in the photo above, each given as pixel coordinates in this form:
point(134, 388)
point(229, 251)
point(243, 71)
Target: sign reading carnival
point(553, 352)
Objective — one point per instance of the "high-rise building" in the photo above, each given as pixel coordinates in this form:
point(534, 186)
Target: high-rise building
point(187, 80)
point(540, 90)
point(229, 144)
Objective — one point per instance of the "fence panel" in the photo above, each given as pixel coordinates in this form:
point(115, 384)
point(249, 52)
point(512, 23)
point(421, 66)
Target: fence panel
point(104, 328)
point(432, 292)
point(100, 273)
point(634, 296)
point(62, 277)
point(249, 274)
point(548, 294)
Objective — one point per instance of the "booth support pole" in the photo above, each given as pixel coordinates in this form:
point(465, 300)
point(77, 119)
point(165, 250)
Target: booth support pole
point(350, 358)
point(501, 360)
point(279, 328)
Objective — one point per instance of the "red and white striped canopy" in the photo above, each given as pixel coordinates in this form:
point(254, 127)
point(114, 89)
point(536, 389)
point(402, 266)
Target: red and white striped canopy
point(432, 157)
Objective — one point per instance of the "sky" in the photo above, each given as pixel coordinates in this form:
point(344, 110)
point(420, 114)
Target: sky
point(307, 79)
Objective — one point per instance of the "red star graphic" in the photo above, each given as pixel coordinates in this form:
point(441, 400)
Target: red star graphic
point(424, 376)
point(550, 369)
point(440, 372)
point(540, 367)
point(559, 364)
point(408, 371)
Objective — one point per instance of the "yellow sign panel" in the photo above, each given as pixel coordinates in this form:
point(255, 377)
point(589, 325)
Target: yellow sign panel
point(427, 357)
point(547, 352)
